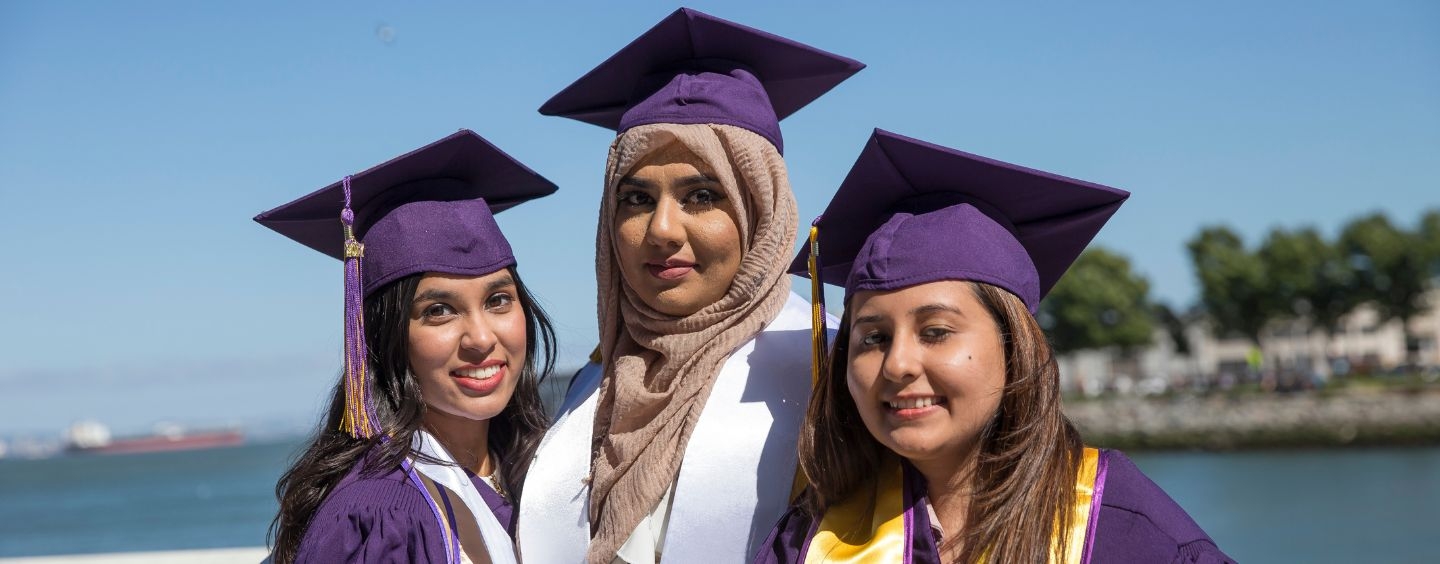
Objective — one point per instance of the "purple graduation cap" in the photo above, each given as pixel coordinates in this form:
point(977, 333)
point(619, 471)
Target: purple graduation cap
point(429, 210)
point(911, 212)
point(696, 68)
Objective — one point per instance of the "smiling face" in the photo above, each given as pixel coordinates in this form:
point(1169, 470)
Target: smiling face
point(926, 369)
point(466, 344)
point(676, 236)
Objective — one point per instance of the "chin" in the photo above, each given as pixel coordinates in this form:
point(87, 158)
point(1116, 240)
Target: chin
point(914, 448)
point(483, 415)
point(674, 305)
point(481, 411)
point(915, 453)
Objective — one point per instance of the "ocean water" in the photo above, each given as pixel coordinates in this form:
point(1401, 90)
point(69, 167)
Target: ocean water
point(129, 502)
point(1365, 505)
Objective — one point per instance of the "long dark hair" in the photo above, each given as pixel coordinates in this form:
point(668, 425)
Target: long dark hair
point(514, 434)
point(1024, 480)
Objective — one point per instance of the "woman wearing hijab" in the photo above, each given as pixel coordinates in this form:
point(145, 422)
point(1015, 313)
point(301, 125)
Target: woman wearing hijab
point(678, 440)
point(438, 412)
point(935, 433)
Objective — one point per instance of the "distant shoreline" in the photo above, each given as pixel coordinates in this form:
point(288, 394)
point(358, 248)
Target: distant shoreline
point(1325, 419)
point(246, 555)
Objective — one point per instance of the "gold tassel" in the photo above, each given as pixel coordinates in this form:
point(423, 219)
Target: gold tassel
point(818, 345)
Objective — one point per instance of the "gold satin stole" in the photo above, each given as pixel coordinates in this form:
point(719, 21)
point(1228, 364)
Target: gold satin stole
point(871, 528)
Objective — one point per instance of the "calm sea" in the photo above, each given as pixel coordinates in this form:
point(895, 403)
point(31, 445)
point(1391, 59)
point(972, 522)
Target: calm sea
point(1376, 505)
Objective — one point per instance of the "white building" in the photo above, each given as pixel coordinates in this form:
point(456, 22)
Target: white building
point(1363, 343)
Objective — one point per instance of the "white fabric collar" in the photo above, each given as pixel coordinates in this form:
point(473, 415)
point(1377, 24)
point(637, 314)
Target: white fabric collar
point(739, 465)
point(449, 475)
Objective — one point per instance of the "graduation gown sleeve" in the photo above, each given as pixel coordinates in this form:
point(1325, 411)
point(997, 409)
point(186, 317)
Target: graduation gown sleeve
point(382, 519)
point(1140, 523)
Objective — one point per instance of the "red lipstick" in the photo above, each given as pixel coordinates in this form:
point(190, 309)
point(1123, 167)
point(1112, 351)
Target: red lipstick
point(481, 379)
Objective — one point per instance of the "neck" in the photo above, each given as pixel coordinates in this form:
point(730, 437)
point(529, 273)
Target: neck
point(467, 440)
point(950, 487)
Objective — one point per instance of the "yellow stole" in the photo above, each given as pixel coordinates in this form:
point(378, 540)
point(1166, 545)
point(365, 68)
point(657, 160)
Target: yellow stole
point(874, 528)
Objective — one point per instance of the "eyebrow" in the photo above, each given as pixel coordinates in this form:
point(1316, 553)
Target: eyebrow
point(866, 319)
point(636, 182)
point(683, 182)
point(934, 308)
point(916, 312)
point(498, 283)
point(696, 179)
point(433, 295)
point(438, 295)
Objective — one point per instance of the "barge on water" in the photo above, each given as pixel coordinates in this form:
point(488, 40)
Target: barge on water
point(91, 437)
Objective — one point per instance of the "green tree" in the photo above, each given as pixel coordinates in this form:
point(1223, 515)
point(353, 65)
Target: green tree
point(1429, 234)
point(1098, 303)
point(1174, 328)
point(1307, 278)
point(1391, 266)
point(1233, 289)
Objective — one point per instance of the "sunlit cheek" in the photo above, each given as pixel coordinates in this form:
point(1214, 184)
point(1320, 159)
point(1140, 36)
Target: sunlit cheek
point(629, 240)
point(862, 389)
point(631, 230)
point(425, 348)
point(723, 236)
point(985, 378)
point(628, 231)
point(512, 334)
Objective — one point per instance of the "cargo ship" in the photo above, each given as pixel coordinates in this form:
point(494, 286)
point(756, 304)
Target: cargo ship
point(91, 437)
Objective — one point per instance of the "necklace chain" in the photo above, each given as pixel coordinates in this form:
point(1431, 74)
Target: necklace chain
point(493, 478)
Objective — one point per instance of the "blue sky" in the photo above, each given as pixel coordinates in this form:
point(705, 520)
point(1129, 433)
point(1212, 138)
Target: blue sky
point(137, 139)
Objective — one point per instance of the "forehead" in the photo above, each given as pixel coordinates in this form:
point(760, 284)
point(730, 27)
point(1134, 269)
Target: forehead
point(461, 282)
point(954, 294)
point(671, 157)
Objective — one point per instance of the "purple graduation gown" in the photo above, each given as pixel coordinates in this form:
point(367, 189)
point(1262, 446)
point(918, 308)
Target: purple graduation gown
point(384, 518)
point(1138, 522)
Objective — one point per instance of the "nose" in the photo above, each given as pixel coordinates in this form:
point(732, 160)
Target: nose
point(478, 336)
point(666, 228)
point(902, 361)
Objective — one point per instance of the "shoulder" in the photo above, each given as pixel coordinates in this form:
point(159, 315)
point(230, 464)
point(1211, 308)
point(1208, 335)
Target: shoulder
point(790, 538)
point(583, 384)
point(378, 517)
point(784, 340)
point(368, 488)
point(1139, 522)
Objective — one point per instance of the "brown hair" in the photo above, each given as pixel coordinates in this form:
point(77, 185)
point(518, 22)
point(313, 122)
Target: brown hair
point(1029, 454)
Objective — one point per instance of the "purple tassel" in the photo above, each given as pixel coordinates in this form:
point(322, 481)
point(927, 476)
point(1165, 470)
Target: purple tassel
point(359, 419)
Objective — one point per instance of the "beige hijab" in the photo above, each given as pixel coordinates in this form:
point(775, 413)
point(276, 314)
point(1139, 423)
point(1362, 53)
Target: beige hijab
point(659, 368)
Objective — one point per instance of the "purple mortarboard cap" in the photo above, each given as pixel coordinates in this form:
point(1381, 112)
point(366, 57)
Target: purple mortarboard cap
point(696, 68)
point(911, 212)
point(429, 210)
